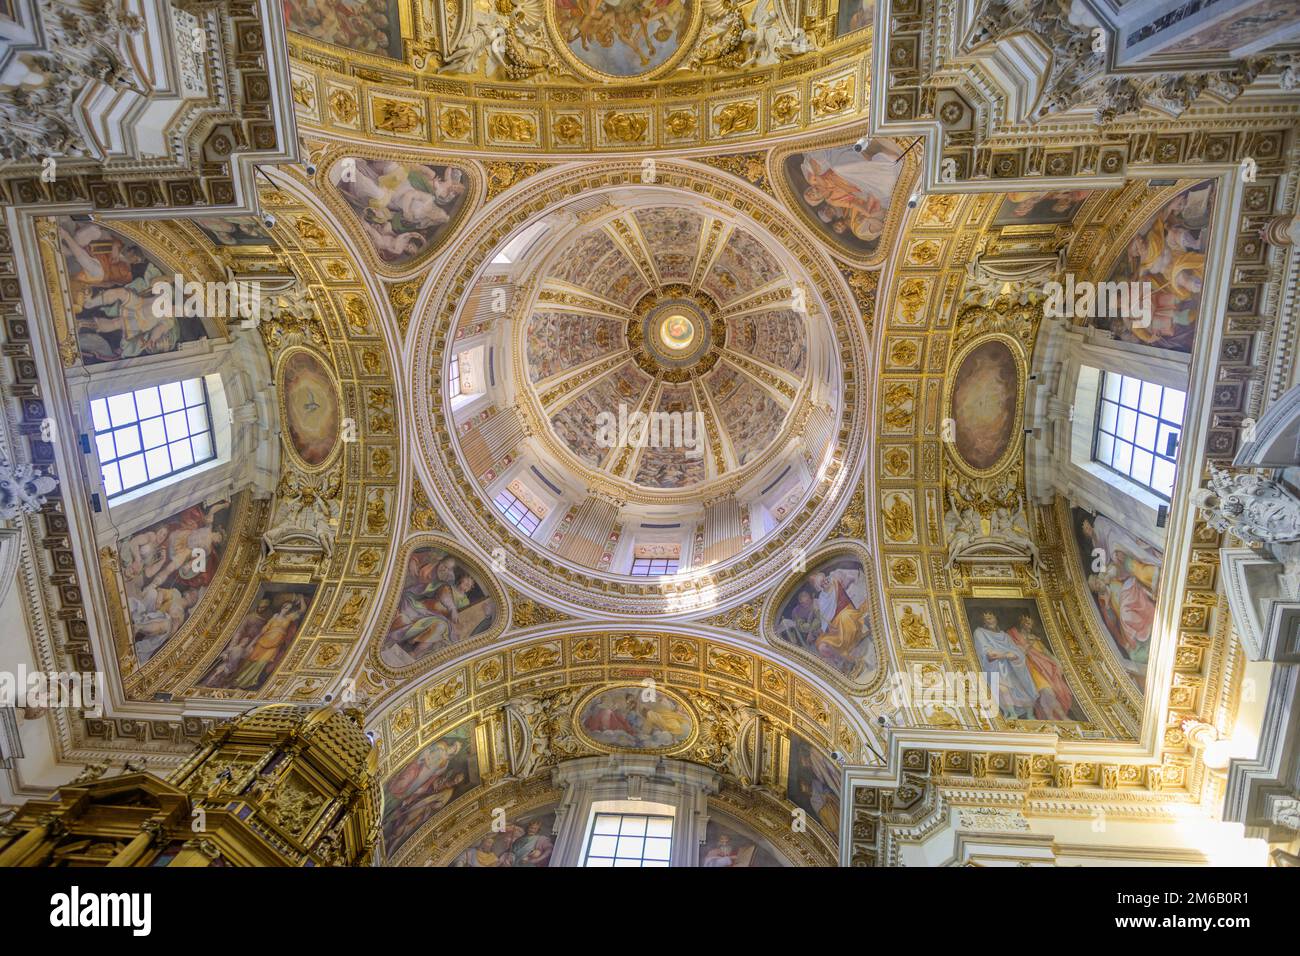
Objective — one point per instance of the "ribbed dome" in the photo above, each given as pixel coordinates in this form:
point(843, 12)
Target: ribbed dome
point(661, 312)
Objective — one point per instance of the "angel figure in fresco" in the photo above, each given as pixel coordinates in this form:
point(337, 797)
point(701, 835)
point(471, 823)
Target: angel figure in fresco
point(1125, 587)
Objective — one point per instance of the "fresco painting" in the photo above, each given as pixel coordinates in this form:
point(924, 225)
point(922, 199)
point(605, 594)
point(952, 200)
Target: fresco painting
point(234, 231)
point(443, 602)
point(623, 37)
point(311, 407)
point(854, 15)
point(727, 844)
point(1123, 575)
point(404, 209)
point(527, 842)
point(1011, 644)
point(1034, 209)
point(635, 718)
point(444, 770)
point(847, 194)
point(1169, 253)
point(749, 415)
point(263, 637)
point(985, 394)
point(366, 26)
point(165, 578)
point(110, 282)
point(828, 614)
point(813, 784)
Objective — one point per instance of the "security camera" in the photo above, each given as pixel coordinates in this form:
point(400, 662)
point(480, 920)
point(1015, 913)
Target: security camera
point(881, 720)
point(912, 200)
point(311, 169)
point(268, 220)
point(861, 144)
point(837, 756)
point(328, 698)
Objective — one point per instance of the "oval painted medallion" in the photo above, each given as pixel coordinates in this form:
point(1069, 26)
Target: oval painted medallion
point(621, 718)
point(985, 390)
point(311, 407)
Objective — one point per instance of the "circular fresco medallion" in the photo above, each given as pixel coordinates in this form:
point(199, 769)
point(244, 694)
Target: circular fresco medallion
point(624, 39)
point(633, 717)
point(984, 404)
point(676, 331)
point(309, 404)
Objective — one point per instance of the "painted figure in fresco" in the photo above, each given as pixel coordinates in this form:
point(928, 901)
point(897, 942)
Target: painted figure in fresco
point(265, 650)
point(361, 25)
point(225, 667)
point(515, 846)
point(850, 194)
point(440, 605)
point(854, 15)
point(817, 783)
point(163, 579)
point(111, 282)
point(724, 847)
point(620, 717)
point(1008, 661)
point(1053, 694)
point(401, 207)
point(829, 617)
point(721, 853)
point(1125, 588)
point(484, 854)
point(261, 640)
point(635, 25)
point(440, 773)
point(232, 231)
point(1054, 206)
point(1169, 253)
point(533, 849)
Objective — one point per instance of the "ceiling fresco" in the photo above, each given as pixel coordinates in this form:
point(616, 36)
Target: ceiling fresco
point(631, 389)
point(706, 279)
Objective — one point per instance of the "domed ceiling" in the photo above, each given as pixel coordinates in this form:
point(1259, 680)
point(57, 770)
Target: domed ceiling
point(655, 372)
point(666, 311)
point(654, 367)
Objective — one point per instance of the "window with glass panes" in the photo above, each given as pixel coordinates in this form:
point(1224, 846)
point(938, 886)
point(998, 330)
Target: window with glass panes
point(1139, 425)
point(516, 512)
point(629, 839)
point(650, 566)
point(147, 434)
point(453, 378)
